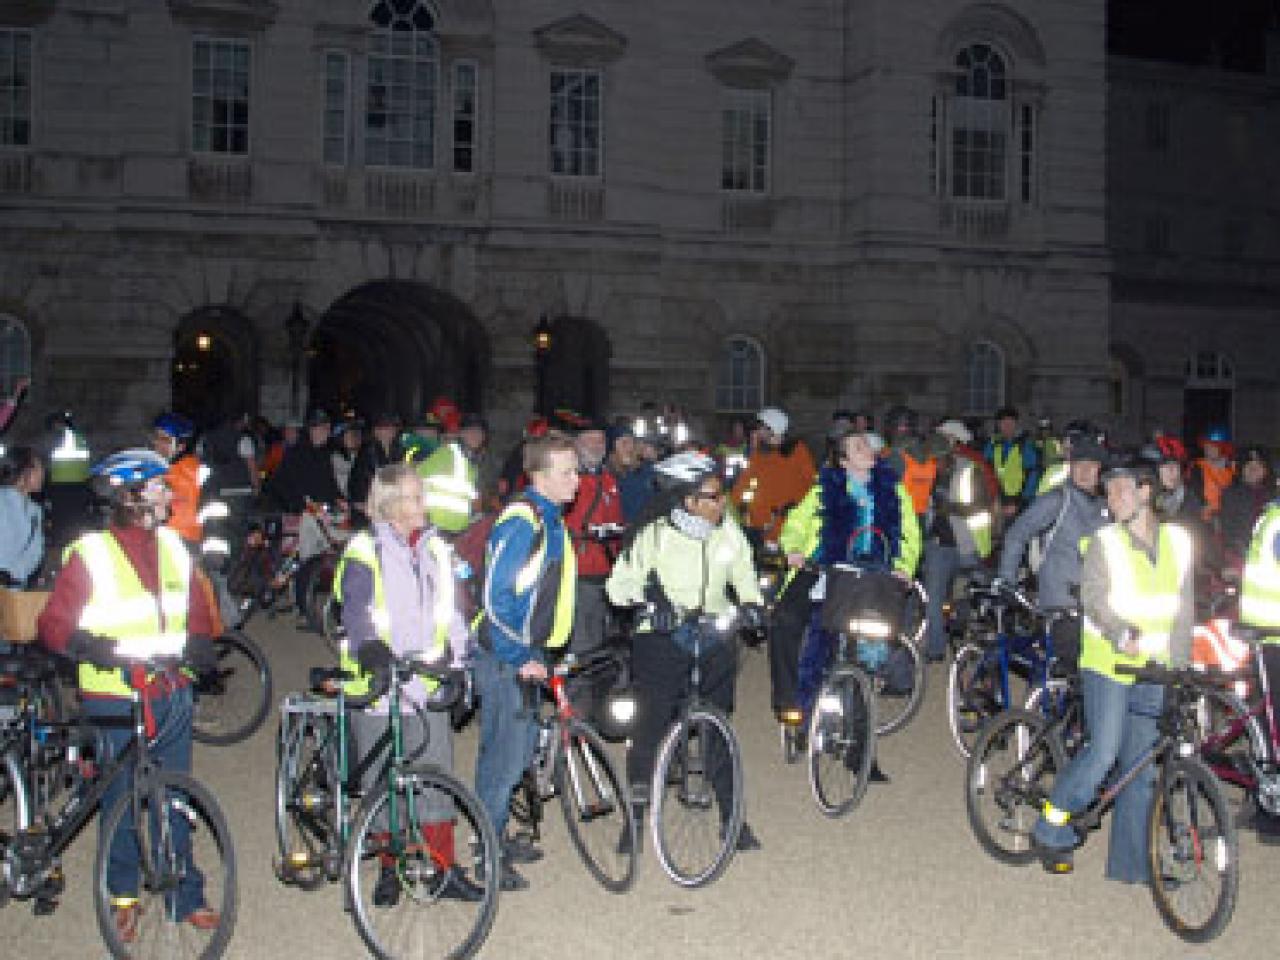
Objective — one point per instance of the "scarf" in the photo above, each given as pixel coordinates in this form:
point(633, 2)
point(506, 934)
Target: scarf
point(691, 526)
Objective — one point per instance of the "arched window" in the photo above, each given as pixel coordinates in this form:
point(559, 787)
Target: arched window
point(986, 376)
point(15, 353)
point(400, 113)
point(740, 381)
point(980, 124)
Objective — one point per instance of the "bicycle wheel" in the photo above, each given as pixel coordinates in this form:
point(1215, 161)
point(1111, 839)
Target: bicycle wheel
point(232, 700)
point(15, 804)
point(973, 695)
point(696, 805)
point(841, 741)
point(1007, 781)
point(420, 915)
point(306, 816)
point(897, 686)
point(597, 807)
point(179, 836)
point(1195, 865)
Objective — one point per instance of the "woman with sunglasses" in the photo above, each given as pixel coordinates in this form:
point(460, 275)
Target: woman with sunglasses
point(682, 559)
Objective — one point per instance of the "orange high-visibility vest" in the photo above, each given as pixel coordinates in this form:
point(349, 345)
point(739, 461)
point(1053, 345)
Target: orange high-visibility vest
point(918, 476)
point(1215, 480)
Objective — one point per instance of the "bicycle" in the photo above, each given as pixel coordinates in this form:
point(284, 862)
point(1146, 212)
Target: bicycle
point(233, 698)
point(1007, 636)
point(696, 794)
point(322, 837)
point(170, 819)
point(572, 761)
point(842, 732)
point(1193, 835)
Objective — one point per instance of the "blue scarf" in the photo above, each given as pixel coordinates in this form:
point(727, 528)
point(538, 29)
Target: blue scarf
point(841, 517)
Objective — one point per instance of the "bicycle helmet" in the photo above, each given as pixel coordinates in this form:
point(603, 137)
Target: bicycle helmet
point(130, 468)
point(174, 425)
point(1129, 463)
point(683, 470)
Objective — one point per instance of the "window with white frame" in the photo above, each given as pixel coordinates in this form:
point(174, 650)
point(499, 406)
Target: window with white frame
point(220, 96)
point(400, 112)
point(575, 125)
point(466, 85)
point(15, 88)
point(986, 377)
point(740, 381)
point(746, 134)
point(980, 124)
point(15, 353)
point(337, 74)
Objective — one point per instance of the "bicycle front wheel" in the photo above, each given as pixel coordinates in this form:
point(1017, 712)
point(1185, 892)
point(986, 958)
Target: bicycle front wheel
point(842, 741)
point(1195, 865)
point(307, 828)
point(232, 700)
point(597, 808)
point(165, 852)
point(696, 805)
point(973, 695)
point(1008, 779)
point(406, 898)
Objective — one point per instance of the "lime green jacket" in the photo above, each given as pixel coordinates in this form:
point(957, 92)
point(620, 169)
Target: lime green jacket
point(801, 529)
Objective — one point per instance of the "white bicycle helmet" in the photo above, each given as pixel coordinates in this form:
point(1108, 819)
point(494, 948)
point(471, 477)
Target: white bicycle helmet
point(686, 469)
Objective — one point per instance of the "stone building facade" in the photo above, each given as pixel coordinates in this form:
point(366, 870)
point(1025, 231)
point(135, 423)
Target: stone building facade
point(260, 204)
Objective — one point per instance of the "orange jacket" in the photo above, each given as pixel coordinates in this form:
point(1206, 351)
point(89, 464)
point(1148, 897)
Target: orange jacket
point(1214, 480)
point(773, 483)
point(184, 483)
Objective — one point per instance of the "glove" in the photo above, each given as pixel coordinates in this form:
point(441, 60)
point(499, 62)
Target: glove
point(93, 649)
point(373, 657)
point(200, 653)
point(752, 615)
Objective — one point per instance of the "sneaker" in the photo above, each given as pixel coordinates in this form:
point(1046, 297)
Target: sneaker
point(457, 886)
point(386, 892)
point(877, 775)
point(510, 881)
point(126, 917)
point(1055, 860)
point(747, 839)
point(520, 850)
point(204, 918)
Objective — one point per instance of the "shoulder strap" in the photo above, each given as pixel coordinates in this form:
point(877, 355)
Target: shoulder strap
point(1062, 512)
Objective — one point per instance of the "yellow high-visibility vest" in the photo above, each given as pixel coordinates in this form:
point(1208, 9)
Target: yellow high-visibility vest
point(1260, 589)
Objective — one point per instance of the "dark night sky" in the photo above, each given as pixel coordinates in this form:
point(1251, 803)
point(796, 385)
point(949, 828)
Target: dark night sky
point(1228, 33)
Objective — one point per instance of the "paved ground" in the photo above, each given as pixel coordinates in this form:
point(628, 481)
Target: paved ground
point(902, 877)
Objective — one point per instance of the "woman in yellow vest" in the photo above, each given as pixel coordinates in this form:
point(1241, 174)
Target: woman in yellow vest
point(1260, 600)
point(126, 595)
point(1137, 598)
point(396, 585)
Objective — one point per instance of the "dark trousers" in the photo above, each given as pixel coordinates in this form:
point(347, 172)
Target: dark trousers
point(660, 679)
point(790, 620)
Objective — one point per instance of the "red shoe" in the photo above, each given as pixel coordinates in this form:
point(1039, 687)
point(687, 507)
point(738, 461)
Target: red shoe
point(204, 918)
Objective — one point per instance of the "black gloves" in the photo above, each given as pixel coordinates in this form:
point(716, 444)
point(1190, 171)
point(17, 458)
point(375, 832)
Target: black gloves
point(93, 649)
point(752, 615)
point(201, 653)
point(373, 656)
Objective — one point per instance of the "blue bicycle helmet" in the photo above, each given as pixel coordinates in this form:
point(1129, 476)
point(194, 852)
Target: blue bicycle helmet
point(130, 468)
point(175, 425)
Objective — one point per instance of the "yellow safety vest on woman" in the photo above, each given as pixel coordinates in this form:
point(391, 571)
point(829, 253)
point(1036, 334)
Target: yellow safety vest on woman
point(1145, 596)
point(363, 549)
point(122, 609)
point(1260, 589)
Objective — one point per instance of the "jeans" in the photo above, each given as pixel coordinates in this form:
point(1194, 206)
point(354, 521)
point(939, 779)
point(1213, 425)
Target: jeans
point(942, 564)
point(171, 751)
point(1121, 723)
point(508, 735)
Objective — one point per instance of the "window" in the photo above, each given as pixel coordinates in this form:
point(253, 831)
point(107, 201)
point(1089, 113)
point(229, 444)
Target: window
point(336, 74)
point(465, 109)
point(15, 353)
point(15, 88)
point(1210, 370)
point(1027, 150)
point(746, 132)
point(979, 125)
point(400, 114)
point(575, 123)
point(220, 96)
point(1157, 127)
point(986, 378)
point(740, 383)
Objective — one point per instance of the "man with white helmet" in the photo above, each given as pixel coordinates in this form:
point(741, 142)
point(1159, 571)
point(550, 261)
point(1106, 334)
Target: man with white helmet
point(779, 474)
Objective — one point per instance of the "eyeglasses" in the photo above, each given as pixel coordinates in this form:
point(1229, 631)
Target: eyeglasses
point(705, 495)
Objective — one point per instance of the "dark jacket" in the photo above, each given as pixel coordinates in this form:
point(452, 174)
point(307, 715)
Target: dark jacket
point(305, 473)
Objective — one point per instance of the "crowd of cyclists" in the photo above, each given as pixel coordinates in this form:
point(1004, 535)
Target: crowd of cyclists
point(593, 536)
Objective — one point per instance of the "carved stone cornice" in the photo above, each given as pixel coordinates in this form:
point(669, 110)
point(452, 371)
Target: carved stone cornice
point(581, 41)
point(253, 15)
point(750, 63)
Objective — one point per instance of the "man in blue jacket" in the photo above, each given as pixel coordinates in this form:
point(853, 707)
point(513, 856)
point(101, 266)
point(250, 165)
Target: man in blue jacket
point(528, 611)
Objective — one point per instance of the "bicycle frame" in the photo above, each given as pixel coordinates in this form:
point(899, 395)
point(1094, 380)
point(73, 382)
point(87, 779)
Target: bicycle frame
point(1258, 724)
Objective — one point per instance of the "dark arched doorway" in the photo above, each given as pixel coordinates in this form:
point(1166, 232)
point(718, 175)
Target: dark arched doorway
point(215, 366)
point(577, 367)
point(394, 345)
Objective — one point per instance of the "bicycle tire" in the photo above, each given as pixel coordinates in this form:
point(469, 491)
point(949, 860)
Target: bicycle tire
point(592, 794)
point(194, 807)
point(1185, 848)
point(418, 873)
point(305, 819)
point(1017, 789)
point(973, 697)
point(15, 800)
point(231, 705)
point(895, 709)
point(677, 799)
point(841, 748)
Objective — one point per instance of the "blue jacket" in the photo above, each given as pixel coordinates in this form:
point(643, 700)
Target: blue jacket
point(511, 544)
point(21, 534)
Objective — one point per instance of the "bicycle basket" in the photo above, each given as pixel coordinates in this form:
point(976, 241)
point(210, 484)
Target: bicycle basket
point(859, 599)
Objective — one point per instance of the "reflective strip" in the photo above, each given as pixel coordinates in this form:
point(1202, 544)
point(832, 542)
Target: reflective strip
point(146, 646)
point(963, 492)
point(1260, 610)
point(215, 545)
point(213, 510)
point(381, 618)
point(1260, 586)
point(1056, 817)
point(202, 474)
point(979, 521)
point(445, 501)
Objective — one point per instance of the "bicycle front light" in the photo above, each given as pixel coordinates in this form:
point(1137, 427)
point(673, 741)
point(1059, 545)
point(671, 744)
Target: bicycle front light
point(617, 714)
point(869, 627)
